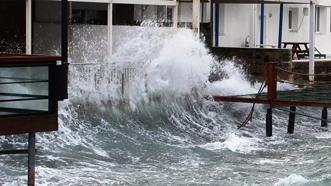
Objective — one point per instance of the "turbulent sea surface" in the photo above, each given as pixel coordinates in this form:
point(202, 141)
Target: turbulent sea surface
point(162, 130)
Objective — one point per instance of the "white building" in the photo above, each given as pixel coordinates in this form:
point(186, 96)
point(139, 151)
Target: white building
point(239, 24)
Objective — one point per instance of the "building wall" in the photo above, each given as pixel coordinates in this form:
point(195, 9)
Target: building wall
point(240, 23)
point(323, 39)
point(185, 12)
point(300, 32)
point(236, 25)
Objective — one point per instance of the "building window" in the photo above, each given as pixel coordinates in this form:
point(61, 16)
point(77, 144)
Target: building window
point(318, 19)
point(293, 16)
point(123, 14)
point(89, 13)
point(12, 29)
point(290, 20)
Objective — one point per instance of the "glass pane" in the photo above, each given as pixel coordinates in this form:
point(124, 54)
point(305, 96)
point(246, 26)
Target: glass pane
point(46, 23)
point(12, 29)
point(24, 88)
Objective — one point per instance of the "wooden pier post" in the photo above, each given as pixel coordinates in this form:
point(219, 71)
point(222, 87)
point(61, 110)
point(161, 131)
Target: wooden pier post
point(272, 81)
point(271, 95)
point(269, 122)
point(31, 159)
point(123, 84)
point(324, 122)
point(291, 120)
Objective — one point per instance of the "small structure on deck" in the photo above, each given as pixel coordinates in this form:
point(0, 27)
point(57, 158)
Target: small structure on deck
point(31, 84)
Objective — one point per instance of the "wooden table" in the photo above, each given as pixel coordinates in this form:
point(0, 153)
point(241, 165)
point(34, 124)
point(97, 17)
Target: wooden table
point(299, 49)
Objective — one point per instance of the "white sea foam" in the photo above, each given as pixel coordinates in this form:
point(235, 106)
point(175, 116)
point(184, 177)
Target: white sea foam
point(272, 161)
point(323, 135)
point(234, 82)
point(183, 63)
point(234, 143)
point(291, 180)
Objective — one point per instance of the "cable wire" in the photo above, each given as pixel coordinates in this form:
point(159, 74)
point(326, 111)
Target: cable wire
point(301, 114)
point(250, 115)
point(302, 74)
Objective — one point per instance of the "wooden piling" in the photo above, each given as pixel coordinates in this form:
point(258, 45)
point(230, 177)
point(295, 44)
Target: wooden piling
point(291, 120)
point(324, 121)
point(272, 81)
point(122, 84)
point(31, 159)
point(269, 122)
point(271, 95)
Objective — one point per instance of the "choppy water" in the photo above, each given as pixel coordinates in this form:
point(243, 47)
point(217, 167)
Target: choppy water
point(166, 133)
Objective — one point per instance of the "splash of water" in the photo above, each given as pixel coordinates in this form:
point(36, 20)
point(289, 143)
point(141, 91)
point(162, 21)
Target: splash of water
point(179, 139)
point(164, 63)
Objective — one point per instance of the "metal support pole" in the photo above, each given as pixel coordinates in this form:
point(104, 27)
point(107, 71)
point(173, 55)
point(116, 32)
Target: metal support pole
point(262, 26)
point(196, 16)
point(212, 26)
point(28, 27)
point(31, 159)
point(291, 120)
point(252, 24)
point(175, 16)
point(312, 42)
point(110, 28)
point(269, 122)
point(281, 17)
point(123, 84)
point(64, 31)
point(324, 122)
point(217, 23)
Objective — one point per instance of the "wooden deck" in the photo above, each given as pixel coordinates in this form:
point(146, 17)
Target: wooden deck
point(312, 94)
point(307, 97)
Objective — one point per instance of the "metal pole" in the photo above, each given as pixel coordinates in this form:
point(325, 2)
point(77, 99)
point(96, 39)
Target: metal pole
point(252, 18)
point(175, 16)
point(31, 159)
point(262, 26)
point(324, 122)
point(110, 28)
point(269, 122)
point(312, 42)
point(281, 17)
point(123, 85)
point(217, 21)
point(64, 50)
point(196, 16)
point(291, 120)
point(28, 27)
point(64, 34)
point(212, 24)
